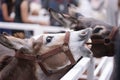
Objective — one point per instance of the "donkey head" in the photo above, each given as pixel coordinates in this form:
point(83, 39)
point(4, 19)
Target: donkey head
point(80, 22)
point(16, 43)
point(77, 40)
point(42, 44)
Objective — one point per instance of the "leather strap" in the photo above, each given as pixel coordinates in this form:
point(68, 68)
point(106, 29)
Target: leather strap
point(67, 50)
point(63, 48)
point(40, 58)
point(50, 53)
point(113, 33)
point(25, 56)
point(110, 37)
point(108, 42)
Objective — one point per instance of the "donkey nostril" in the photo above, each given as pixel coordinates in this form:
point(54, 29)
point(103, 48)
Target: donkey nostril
point(83, 33)
point(107, 41)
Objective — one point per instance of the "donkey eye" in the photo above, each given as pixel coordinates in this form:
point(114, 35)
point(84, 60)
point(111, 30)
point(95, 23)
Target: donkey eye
point(97, 30)
point(49, 39)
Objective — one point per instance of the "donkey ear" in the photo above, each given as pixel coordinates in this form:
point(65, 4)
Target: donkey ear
point(4, 33)
point(72, 10)
point(5, 42)
point(58, 16)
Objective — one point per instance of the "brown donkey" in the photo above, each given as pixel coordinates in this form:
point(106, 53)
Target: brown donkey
point(17, 68)
point(54, 52)
point(105, 37)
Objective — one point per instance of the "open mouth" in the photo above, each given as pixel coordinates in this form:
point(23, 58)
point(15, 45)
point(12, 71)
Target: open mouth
point(88, 46)
point(89, 43)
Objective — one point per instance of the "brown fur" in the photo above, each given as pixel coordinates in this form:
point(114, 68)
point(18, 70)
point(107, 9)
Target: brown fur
point(22, 69)
point(19, 69)
point(5, 61)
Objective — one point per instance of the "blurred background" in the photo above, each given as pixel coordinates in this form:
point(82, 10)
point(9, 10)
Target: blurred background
point(27, 18)
point(20, 18)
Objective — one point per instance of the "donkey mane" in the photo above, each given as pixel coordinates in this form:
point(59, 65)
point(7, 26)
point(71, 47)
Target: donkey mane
point(19, 69)
point(5, 61)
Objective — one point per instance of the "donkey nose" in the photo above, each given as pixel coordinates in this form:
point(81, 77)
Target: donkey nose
point(87, 31)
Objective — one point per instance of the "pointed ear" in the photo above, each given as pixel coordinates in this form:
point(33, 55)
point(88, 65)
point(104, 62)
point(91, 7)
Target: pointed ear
point(64, 19)
point(5, 42)
point(72, 10)
point(4, 33)
point(58, 16)
point(13, 42)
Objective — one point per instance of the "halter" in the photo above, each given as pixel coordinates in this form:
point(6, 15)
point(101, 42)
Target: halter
point(108, 41)
point(43, 56)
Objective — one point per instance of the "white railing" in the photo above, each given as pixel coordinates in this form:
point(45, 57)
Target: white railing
point(77, 70)
point(37, 29)
point(101, 72)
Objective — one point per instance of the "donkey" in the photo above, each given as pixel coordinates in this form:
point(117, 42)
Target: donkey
point(16, 68)
point(108, 35)
point(65, 50)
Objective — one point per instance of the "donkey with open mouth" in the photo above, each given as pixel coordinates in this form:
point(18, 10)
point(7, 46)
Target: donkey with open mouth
point(54, 53)
point(105, 37)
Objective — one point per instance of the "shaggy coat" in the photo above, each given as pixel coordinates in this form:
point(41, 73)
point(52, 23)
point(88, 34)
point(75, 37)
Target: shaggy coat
point(18, 69)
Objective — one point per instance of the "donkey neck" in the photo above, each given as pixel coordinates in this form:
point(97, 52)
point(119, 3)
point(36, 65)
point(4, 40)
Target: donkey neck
point(19, 69)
